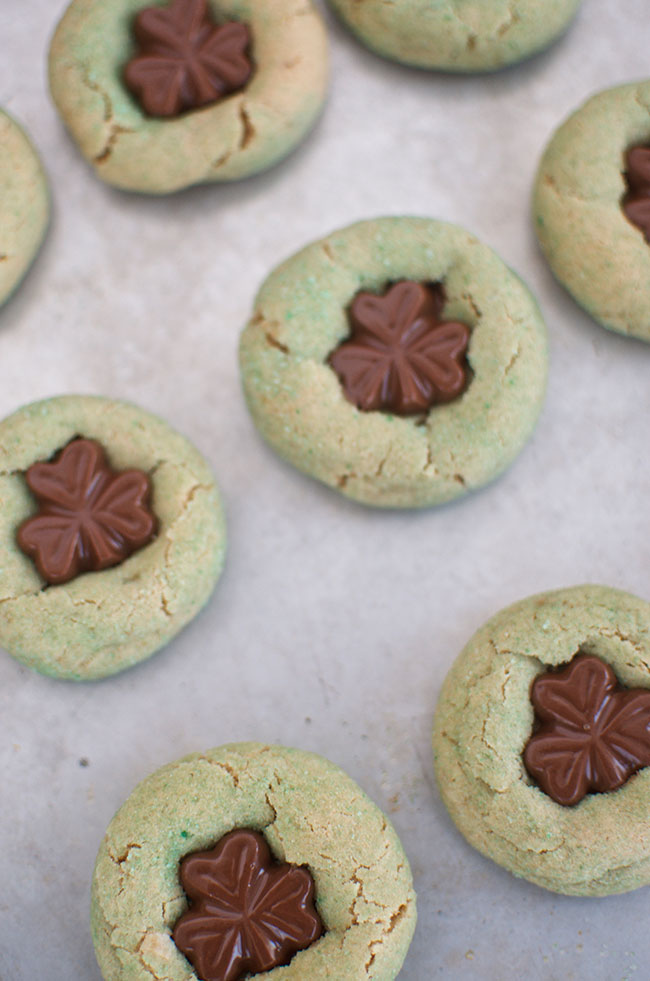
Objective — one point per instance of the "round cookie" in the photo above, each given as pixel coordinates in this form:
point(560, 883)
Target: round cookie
point(454, 35)
point(24, 205)
point(601, 258)
point(102, 622)
point(377, 457)
point(311, 814)
point(485, 718)
point(236, 137)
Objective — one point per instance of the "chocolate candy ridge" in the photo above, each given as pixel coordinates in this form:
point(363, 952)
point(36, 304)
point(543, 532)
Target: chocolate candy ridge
point(592, 733)
point(247, 912)
point(90, 517)
point(185, 60)
point(401, 356)
point(636, 202)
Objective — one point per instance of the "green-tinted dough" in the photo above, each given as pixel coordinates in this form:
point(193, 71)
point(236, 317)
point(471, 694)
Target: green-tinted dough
point(310, 812)
point(377, 458)
point(485, 718)
point(239, 136)
point(103, 622)
point(600, 256)
point(457, 35)
point(24, 205)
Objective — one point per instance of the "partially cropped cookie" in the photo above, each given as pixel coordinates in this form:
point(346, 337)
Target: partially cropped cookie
point(24, 205)
point(161, 96)
point(454, 35)
point(592, 207)
point(251, 861)
point(542, 740)
point(397, 360)
point(112, 535)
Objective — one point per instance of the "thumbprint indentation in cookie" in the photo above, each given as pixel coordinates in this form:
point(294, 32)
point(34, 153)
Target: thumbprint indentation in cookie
point(591, 733)
point(185, 60)
point(90, 516)
point(402, 356)
point(248, 913)
point(636, 202)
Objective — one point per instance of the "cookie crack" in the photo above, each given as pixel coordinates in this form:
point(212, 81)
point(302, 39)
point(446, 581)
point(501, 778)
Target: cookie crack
point(507, 25)
point(393, 922)
point(126, 853)
point(475, 308)
point(625, 639)
point(109, 146)
point(147, 967)
point(248, 130)
point(94, 87)
point(513, 361)
point(232, 773)
point(274, 342)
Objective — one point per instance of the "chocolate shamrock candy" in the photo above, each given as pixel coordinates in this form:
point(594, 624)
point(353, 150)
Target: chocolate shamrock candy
point(185, 60)
point(402, 356)
point(592, 734)
point(636, 203)
point(90, 517)
point(247, 913)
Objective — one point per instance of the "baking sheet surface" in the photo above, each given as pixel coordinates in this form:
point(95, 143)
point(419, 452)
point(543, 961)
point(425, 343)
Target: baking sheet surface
point(333, 626)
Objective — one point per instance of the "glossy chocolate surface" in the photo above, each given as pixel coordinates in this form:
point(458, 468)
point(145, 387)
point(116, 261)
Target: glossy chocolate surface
point(592, 734)
point(636, 203)
point(248, 913)
point(402, 356)
point(185, 60)
point(90, 517)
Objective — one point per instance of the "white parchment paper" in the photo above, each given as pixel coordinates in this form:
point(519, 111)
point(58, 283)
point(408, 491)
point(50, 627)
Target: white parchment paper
point(333, 626)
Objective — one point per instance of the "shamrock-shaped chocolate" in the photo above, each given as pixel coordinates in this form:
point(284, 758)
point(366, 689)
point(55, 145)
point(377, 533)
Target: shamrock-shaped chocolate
point(247, 913)
point(636, 203)
point(90, 517)
point(185, 60)
point(401, 356)
point(593, 734)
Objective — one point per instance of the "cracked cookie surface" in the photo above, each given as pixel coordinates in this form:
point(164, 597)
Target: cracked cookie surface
point(457, 35)
point(485, 717)
point(24, 205)
point(239, 136)
point(310, 813)
point(377, 458)
point(103, 622)
point(601, 258)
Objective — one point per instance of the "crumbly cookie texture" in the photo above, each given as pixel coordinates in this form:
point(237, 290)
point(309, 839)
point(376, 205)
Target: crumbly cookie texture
point(377, 458)
point(24, 205)
point(310, 812)
point(103, 622)
point(238, 136)
point(457, 35)
point(593, 249)
point(485, 718)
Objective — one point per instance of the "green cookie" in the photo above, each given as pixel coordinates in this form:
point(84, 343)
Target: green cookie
point(595, 252)
point(310, 812)
point(457, 35)
point(485, 718)
point(24, 205)
point(234, 138)
point(102, 622)
point(376, 457)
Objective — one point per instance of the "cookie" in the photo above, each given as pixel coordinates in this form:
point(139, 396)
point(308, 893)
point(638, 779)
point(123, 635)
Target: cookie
point(589, 188)
point(353, 908)
point(219, 89)
point(542, 740)
point(398, 361)
point(457, 36)
point(24, 205)
point(112, 534)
